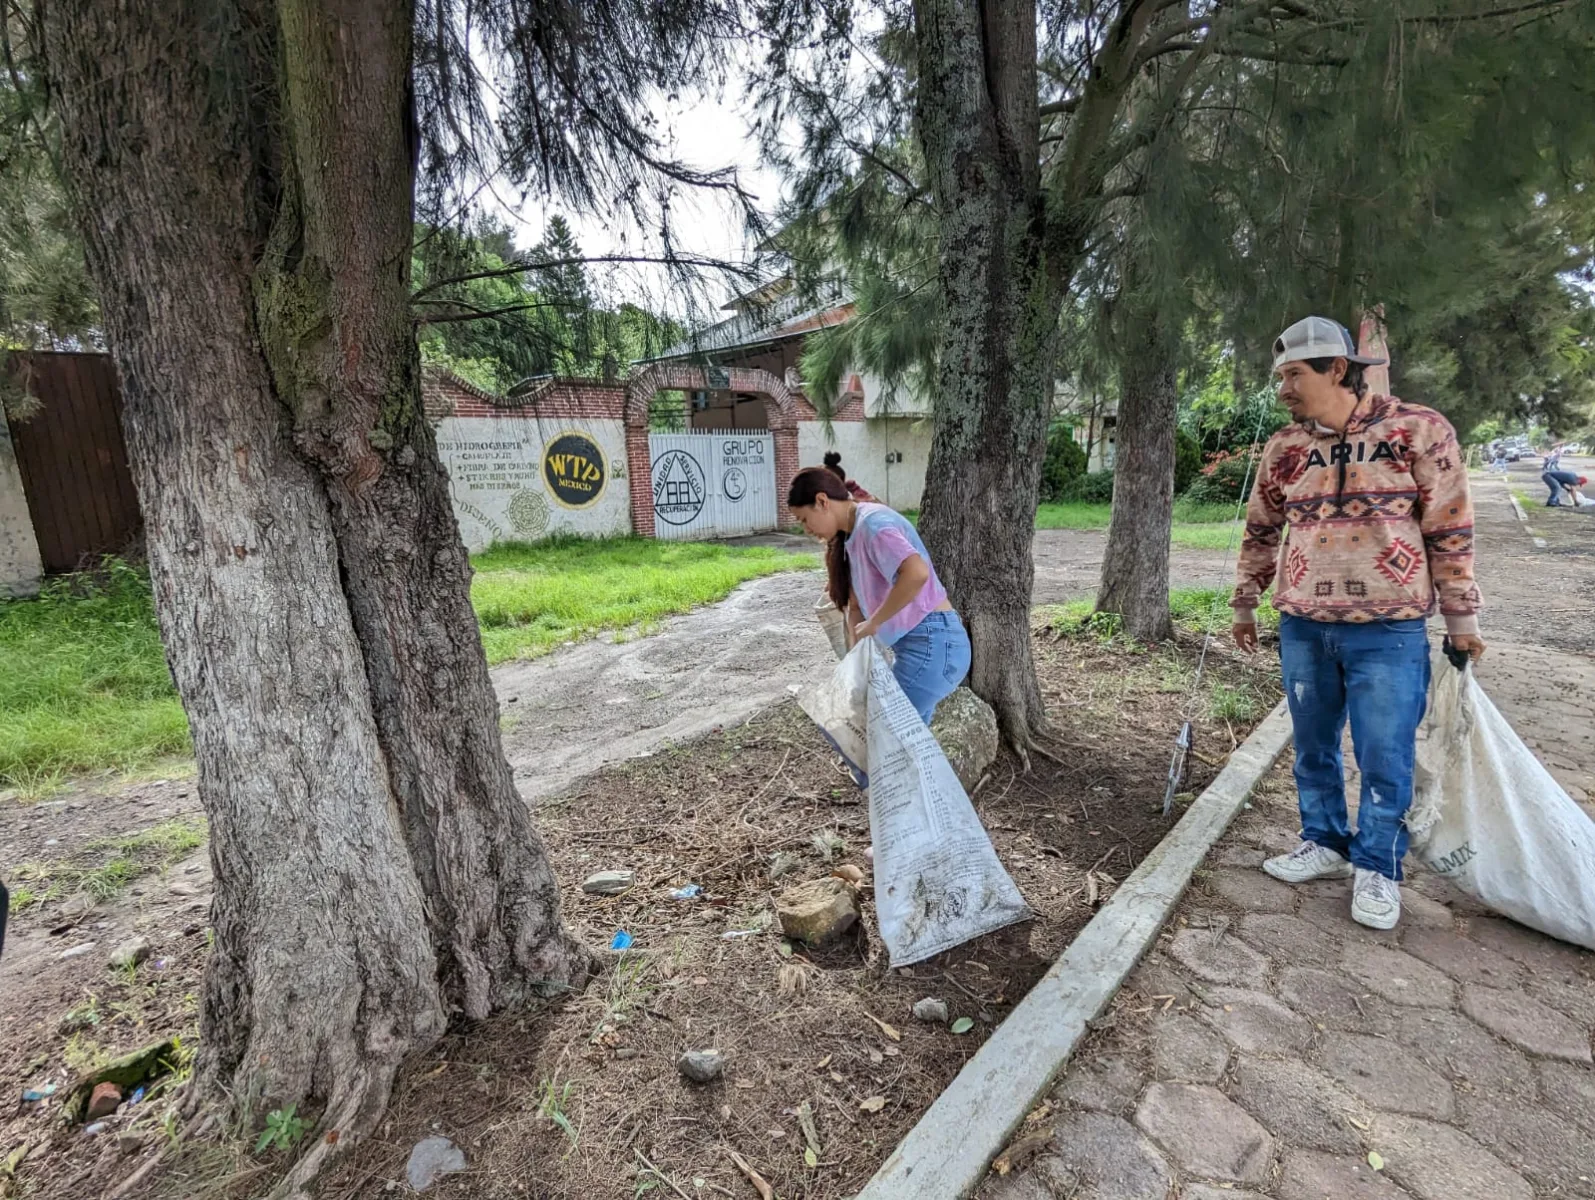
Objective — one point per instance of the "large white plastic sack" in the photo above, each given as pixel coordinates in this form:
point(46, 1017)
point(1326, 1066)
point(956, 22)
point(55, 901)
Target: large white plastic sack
point(1488, 817)
point(938, 881)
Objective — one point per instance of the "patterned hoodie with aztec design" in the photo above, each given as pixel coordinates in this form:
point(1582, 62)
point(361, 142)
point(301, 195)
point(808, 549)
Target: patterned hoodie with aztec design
point(1377, 522)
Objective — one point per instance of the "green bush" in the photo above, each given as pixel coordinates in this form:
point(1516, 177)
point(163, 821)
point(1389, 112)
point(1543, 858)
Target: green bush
point(1065, 463)
point(1187, 461)
point(1096, 487)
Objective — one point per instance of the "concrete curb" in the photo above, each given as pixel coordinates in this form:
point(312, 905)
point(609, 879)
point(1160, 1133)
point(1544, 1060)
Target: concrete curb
point(1522, 516)
point(946, 1155)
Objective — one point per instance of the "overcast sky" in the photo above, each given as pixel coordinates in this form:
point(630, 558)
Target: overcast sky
point(706, 132)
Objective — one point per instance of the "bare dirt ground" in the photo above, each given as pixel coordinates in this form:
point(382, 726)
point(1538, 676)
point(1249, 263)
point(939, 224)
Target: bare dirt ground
point(713, 812)
point(829, 1031)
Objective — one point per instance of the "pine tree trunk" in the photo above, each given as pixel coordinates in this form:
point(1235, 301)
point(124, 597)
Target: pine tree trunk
point(352, 379)
point(980, 126)
point(375, 869)
point(1135, 567)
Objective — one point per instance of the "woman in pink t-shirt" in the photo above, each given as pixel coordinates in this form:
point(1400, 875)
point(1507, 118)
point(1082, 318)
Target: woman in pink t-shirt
point(881, 576)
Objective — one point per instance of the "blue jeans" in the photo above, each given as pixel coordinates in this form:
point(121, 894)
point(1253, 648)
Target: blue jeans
point(1379, 672)
point(1556, 481)
point(932, 660)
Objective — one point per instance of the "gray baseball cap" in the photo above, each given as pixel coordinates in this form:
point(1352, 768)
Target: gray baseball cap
point(1318, 337)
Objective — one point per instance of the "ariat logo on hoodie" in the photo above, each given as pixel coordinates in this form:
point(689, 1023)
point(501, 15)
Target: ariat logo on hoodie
point(1342, 452)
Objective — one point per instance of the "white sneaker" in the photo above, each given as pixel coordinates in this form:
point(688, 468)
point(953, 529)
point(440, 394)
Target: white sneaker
point(1308, 861)
point(1375, 900)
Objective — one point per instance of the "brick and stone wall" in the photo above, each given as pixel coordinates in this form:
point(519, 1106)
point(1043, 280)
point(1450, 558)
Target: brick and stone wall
point(555, 460)
point(495, 447)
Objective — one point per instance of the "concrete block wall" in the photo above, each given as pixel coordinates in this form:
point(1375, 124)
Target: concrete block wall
point(21, 568)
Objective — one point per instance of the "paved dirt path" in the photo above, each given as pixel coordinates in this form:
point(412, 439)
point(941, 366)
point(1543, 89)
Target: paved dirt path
point(1271, 1048)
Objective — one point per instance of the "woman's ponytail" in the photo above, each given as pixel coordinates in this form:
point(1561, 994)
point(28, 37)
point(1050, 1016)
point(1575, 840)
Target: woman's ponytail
point(822, 481)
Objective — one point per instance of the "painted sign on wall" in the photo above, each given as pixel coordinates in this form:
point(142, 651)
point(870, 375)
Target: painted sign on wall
point(574, 468)
point(519, 478)
point(712, 484)
point(680, 488)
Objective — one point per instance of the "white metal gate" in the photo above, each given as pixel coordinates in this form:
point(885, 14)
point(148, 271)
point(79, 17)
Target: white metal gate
point(713, 483)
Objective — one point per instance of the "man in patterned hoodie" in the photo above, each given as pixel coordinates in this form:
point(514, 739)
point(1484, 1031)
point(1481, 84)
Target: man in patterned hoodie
point(1361, 519)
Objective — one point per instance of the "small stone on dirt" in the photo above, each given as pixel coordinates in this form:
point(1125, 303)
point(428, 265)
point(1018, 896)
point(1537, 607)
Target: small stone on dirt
point(103, 1101)
point(609, 883)
point(77, 951)
point(701, 1066)
point(130, 953)
point(432, 1158)
point(932, 1010)
point(817, 912)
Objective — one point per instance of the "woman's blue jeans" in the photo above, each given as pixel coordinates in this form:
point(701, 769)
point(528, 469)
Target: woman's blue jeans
point(932, 660)
point(1378, 674)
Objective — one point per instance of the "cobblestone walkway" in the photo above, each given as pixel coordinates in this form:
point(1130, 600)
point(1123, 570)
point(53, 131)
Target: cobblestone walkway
point(1270, 1047)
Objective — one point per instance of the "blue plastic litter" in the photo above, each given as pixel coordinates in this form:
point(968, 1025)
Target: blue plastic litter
point(691, 892)
point(138, 1094)
point(622, 941)
point(33, 1095)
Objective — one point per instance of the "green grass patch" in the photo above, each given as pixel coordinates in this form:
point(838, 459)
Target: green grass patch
point(1076, 514)
point(83, 678)
point(104, 868)
point(1196, 526)
point(1237, 705)
point(532, 598)
point(1222, 536)
point(1204, 610)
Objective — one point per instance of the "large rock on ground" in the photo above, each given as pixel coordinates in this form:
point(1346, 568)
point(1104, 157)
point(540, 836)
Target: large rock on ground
point(966, 727)
point(817, 912)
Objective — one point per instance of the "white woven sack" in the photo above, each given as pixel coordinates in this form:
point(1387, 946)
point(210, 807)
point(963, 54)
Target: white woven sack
point(1488, 817)
point(938, 881)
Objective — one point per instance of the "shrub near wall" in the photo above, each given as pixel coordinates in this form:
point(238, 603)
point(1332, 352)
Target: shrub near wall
point(1224, 477)
point(1064, 465)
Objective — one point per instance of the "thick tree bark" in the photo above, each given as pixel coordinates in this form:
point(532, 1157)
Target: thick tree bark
point(979, 122)
point(1008, 251)
point(323, 975)
point(341, 250)
point(243, 176)
point(1135, 568)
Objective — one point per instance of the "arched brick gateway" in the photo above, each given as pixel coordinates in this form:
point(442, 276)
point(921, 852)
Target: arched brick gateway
point(784, 408)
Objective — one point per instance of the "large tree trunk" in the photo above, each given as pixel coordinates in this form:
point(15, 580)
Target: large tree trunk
point(1135, 568)
point(322, 976)
point(375, 869)
point(979, 122)
point(351, 376)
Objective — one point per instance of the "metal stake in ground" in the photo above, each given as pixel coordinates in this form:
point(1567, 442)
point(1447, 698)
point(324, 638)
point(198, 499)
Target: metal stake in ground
point(1182, 742)
point(1182, 750)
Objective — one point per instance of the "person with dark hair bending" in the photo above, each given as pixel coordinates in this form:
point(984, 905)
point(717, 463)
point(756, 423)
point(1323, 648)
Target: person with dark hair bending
point(881, 576)
point(833, 464)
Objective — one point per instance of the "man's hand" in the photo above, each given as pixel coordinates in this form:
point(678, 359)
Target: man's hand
point(1245, 635)
point(1470, 644)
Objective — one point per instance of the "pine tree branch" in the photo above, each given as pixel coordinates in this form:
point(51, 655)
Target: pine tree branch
point(522, 268)
point(1529, 6)
point(1250, 55)
point(473, 313)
